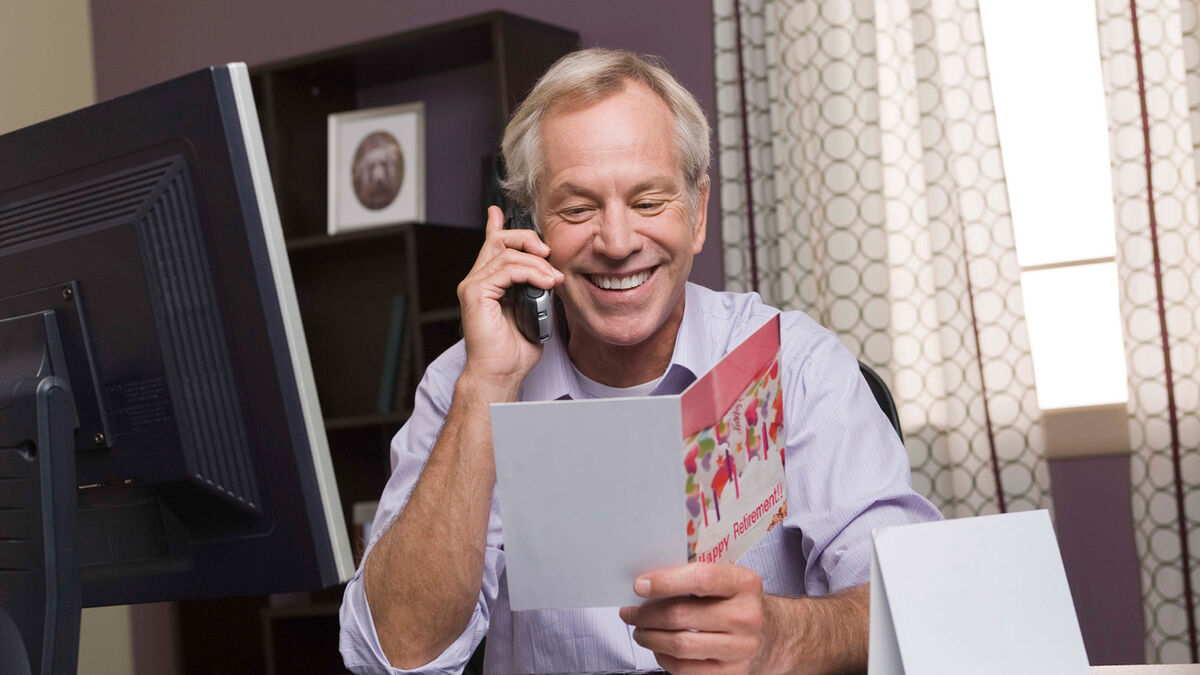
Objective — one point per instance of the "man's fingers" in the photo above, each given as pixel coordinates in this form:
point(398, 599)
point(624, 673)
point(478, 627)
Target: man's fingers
point(495, 220)
point(522, 240)
point(513, 266)
point(697, 645)
point(498, 238)
point(710, 617)
point(720, 615)
point(693, 667)
point(484, 288)
point(677, 614)
point(699, 579)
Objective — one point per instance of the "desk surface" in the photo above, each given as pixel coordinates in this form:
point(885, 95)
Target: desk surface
point(1189, 669)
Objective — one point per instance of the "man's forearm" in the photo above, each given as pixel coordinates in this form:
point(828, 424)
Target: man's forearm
point(423, 576)
point(819, 635)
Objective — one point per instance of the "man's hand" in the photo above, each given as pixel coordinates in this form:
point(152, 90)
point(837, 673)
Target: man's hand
point(703, 618)
point(498, 356)
point(706, 618)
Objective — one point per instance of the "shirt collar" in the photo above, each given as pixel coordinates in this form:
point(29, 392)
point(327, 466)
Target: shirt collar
point(553, 378)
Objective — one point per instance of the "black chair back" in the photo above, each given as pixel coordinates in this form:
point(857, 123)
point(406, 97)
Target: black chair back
point(882, 396)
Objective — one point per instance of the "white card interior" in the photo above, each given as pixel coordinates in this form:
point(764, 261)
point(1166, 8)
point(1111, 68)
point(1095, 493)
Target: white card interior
point(622, 458)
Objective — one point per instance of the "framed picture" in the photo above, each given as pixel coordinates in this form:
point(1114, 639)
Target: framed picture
point(376, 167)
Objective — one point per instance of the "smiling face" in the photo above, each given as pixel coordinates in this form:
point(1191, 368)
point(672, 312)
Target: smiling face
point(614, 209)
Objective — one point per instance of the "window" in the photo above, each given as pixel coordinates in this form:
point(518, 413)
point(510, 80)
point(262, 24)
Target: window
point(1050, 112)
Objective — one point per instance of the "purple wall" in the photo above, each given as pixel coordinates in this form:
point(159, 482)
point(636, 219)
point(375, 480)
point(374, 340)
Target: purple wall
point(1094, 522)
point(140, 42)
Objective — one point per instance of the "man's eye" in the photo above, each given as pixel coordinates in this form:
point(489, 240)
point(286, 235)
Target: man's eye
point(576, 211)
point(647, 206)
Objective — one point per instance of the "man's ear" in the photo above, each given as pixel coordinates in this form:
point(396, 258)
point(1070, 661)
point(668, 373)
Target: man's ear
point(700, 220)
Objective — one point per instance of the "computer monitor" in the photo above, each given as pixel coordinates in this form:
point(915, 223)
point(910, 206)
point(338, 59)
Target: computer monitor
point(160, 434)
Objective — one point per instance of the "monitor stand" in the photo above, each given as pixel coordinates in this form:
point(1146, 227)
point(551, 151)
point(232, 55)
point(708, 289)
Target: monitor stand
point(39, 568)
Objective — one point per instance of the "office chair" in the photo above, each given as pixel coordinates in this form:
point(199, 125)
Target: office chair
point(882, 396)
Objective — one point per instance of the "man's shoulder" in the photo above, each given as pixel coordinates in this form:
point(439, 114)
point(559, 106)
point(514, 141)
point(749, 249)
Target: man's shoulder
point(736, 316)
point(810, 354)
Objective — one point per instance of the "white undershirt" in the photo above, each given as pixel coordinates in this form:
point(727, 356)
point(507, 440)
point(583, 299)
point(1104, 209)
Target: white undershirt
point(593, 389)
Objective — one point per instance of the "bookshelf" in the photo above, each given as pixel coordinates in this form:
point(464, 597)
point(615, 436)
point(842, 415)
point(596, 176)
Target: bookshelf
point(345, 285)
point(470, 74)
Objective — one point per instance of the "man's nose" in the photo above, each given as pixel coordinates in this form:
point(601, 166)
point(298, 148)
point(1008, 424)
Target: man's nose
point(617, 236)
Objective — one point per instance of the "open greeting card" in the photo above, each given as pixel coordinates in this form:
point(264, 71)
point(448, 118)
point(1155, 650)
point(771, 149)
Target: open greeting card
point(594, 492)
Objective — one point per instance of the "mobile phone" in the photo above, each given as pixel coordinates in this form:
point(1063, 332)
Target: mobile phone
point(532, 306)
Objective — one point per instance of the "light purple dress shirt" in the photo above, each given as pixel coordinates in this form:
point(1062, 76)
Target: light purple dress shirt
point(847, 473)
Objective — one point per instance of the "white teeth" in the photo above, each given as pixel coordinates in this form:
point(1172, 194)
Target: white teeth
point(620, 283)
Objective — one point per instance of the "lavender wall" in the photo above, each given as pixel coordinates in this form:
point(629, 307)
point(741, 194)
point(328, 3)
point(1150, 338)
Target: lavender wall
point(140, 42)
point(1092, 514)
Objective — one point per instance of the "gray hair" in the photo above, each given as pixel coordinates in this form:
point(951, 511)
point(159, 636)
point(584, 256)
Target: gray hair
point(588, 76)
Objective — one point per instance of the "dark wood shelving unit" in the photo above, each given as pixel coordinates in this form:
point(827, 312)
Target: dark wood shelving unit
point(343, 244)
point(470, 74)
point(345, 285)
point(368, 421)
point(307, 626)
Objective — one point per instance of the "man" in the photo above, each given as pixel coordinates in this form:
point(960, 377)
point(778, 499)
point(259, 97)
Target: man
point(611, 156)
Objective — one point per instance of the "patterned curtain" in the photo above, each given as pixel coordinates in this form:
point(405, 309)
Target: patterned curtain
point(1150, 53)
point(861, 182)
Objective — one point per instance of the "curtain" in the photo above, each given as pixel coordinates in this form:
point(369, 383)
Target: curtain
point(1150, 56)
point(861, 182)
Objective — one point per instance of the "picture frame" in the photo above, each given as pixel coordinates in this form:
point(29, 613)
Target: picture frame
point(376, 167)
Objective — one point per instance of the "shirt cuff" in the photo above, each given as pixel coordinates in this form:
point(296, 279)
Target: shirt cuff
point(362, 653)
point(852, 567)
point(847, 565)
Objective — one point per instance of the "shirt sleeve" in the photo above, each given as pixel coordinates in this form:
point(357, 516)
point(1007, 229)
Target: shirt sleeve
point(359, 643)
point(847, 471)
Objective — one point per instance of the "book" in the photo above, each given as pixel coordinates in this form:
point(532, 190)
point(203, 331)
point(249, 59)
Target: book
point(393, 354)
point(594, 492)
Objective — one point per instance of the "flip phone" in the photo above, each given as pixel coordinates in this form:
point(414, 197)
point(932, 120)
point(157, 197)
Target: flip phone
point(532, 306)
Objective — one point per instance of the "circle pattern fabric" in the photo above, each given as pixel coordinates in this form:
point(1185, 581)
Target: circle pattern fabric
point(880, 209)
point(1170, 50)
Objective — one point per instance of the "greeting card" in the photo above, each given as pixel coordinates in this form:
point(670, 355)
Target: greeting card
point(594, 492)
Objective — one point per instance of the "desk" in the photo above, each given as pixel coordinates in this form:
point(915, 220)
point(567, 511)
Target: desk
point(1188, 669)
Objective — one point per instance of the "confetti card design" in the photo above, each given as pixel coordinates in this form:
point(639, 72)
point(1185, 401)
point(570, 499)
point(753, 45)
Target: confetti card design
point(734, 486)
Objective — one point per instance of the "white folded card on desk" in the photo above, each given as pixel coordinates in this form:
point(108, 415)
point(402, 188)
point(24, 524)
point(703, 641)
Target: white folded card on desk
point(974, 595)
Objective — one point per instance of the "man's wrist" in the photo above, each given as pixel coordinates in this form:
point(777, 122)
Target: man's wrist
point(825, 634)
point(777, 655)
point(480, 388)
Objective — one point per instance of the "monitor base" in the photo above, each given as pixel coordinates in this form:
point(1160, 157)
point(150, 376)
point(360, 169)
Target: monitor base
point(39, 567)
